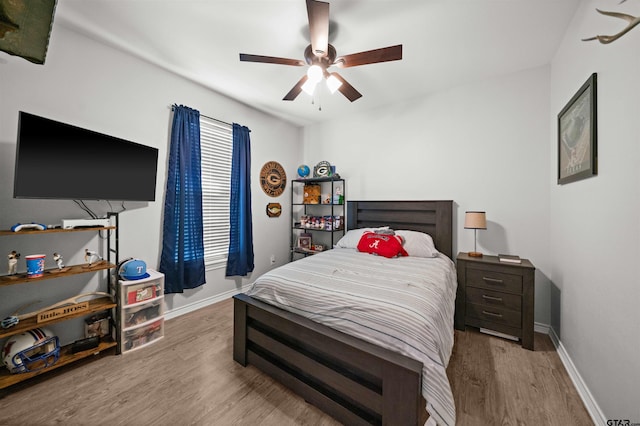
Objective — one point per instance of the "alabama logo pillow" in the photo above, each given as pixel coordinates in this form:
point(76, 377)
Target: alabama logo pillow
point(386, 245)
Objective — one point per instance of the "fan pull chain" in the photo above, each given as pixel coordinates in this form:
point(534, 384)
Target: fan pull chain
point(313, 100)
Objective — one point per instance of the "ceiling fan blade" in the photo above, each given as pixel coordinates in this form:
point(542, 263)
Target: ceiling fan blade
point(346, 89)
point(295, 90)
point(385, 54)
point(270, 60)
point(318, 12)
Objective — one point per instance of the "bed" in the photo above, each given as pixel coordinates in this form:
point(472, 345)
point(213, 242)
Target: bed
point(353, 377)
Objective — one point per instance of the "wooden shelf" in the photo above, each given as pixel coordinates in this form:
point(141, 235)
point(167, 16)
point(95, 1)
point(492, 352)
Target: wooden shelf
point(95, 305)
point(99, 304)
point(66, 357)
point(56, 273)
point(8, 232)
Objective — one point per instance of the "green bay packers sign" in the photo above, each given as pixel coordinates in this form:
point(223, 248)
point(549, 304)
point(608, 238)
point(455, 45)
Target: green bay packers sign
point(273, 179)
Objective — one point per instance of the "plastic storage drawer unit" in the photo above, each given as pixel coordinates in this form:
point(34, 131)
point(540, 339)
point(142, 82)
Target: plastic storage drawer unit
point(142, 311)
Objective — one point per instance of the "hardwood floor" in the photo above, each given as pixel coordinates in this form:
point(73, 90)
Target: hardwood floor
point(496, 382)
point(190, 378)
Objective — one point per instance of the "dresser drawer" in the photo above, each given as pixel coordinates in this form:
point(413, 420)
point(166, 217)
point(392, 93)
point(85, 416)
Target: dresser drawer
point(494, 314)
point(495, 295)
point(492, 280)
point(139, 337)
point(142, 313)
point(489, 298)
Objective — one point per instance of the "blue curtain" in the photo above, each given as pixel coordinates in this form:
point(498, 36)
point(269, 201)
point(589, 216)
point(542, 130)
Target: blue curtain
point(182, 260)
point(240, 259)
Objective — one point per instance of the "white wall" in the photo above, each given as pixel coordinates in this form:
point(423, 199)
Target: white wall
point(93, 86)
point(595, 223)
point(489, 145)
point(484, 146)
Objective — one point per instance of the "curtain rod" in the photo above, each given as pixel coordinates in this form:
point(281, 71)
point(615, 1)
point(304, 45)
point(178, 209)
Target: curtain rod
point(210, 118)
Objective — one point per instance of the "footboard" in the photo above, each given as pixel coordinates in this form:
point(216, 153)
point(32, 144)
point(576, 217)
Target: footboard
point(354, 381)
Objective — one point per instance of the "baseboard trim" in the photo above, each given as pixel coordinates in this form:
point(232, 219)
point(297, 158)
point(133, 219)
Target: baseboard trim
point(587, 398)
point(174, 313)
point(538, 327)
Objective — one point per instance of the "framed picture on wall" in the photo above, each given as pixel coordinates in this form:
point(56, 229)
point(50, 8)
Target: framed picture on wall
point(578, 136)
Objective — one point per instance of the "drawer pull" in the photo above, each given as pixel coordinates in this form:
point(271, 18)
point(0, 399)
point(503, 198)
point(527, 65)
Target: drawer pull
point(492, 314)
point(492, 298)
point(492, 280)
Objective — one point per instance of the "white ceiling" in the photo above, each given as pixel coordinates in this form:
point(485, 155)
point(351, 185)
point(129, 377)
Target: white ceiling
point(445, 43)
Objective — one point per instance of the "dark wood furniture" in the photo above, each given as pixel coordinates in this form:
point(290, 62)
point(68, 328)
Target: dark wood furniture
point(496, 295)
point(354, 381)
point(100, 304)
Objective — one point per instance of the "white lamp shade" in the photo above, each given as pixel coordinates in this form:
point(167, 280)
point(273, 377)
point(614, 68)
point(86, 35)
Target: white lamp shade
point(315, 73)
point(333, 83)
point(475, 220)
point(309, 86)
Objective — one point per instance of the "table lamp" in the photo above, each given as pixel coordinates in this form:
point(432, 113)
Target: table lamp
point(475, 220)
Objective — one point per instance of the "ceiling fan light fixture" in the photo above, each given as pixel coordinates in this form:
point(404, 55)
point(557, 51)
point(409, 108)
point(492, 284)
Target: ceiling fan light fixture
point(309, 86)
point(320, 55)
point(333, 83)
point(315, 73)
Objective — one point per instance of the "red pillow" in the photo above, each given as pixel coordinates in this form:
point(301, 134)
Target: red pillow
point(381, 244)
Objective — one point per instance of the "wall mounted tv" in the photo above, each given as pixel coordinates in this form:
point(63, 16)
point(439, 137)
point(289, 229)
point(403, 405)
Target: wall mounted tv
point(59, 161)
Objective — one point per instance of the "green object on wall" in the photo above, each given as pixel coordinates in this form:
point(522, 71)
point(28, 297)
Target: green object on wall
point(25, 27)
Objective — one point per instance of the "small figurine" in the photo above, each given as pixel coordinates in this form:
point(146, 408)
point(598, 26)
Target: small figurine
point(91, 256)
point(58, 258)
point(13, 262)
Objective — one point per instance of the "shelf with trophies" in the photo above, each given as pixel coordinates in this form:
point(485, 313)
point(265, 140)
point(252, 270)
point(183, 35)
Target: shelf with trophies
point(317, 210)
point(29, 347)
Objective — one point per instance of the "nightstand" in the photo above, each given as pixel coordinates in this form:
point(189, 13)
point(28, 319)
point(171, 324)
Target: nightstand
point(496, 296)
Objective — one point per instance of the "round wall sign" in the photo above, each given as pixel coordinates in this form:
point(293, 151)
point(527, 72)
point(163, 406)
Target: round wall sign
point(273, 179)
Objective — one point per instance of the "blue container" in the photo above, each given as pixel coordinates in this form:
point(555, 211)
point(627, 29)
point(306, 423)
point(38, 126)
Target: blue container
point(35, 265)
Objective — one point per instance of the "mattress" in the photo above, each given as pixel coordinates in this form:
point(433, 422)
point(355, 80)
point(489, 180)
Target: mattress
point(404, 304)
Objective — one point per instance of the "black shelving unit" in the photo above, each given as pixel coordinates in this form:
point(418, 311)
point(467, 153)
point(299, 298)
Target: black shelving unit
point(329, 213)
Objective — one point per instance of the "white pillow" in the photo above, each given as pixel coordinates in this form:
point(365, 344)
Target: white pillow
point(352, 237)
point(418, 244)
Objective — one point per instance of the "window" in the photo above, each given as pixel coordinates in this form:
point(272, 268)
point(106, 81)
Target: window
point(216, 146)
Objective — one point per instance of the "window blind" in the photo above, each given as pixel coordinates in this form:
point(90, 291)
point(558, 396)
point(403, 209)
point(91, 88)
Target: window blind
point(216, 146)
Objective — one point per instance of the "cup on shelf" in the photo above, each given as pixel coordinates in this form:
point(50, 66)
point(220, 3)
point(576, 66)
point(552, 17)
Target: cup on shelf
point(35, 265)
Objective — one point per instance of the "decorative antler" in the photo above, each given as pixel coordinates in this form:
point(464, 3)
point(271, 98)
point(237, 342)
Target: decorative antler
point(605, 39)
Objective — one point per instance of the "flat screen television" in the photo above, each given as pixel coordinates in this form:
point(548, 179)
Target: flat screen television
point(55, 160)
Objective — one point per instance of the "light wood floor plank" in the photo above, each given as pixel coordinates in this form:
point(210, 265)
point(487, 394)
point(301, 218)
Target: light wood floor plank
point(190, 378)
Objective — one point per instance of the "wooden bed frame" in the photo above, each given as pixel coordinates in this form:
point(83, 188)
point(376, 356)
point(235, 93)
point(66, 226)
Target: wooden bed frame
point(354, 381)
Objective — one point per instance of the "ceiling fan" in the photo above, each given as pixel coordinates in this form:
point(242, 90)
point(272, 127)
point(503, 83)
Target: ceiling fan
point(320, 55)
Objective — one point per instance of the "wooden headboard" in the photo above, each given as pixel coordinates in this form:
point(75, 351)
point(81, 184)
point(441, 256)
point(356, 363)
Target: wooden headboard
point(431, 217)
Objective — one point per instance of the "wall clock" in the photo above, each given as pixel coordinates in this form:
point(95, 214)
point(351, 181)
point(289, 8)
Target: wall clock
point(273, 179)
